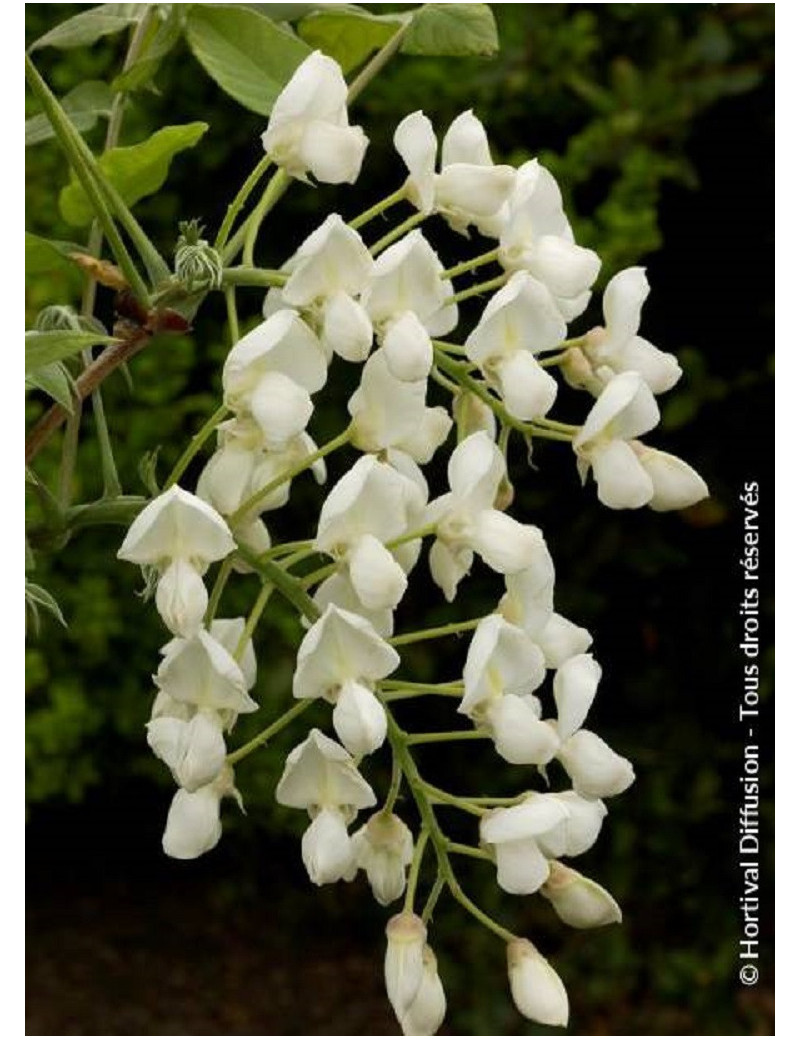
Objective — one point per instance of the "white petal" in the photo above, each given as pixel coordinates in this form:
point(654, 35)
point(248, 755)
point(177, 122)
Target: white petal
point(503, 542)
point(622, 304)
point(338, 589)
point(283, 343)
point(625, 409)
point(537, 990)
point(661, 371)
point(595, 769)
point(193, 825)
point(529, 391)
point(415, 140)
point(501, 659)
point(579, 901)
point(677, 485)
point(338, 647)
point(521, 867)
point(470, 192)
point(466, 141)
point(622, 481)
point(317, 89)
point(203, 753)
point(519, 736)
point(346, 328)
point(200, 671)
point(176, 525)
point(567, 270)
point(281, 408)
point(448, 566)
point(326, 848)
point(384, 849)
point(359, 719)
point(378, 579)
point(475, 470)
point(332, 259)
point(428, 1008)
point(181, 598)
point(404, 966)
point(561, 639)
point(408, 349)
point(584, 822)
point(537, 816)
point(228, 633)
point(574, 686)
point(319, 772)
point(333, 154)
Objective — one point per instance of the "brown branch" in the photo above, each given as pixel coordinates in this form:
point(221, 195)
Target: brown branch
point(100, 369)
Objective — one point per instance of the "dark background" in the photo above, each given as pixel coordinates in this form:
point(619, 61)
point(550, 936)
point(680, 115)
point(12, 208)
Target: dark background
point(657, 120)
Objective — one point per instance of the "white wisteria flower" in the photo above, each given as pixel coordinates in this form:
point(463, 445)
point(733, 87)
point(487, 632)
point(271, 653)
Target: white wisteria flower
point(625, 410)
point(502, 669)
point(320, 777)
point(391, 413)
point(308, 130)
point(201, 672)
point(617, 347)
point(194, 750)
point(242, 465)
point(193, 821)
point(180, 535)
point(339, 657)
point(519, 839)
point(470, 189)
point(537, 237)
point(579, 901)
point(536, 988)
point(383, 849)
point(595, 770)
point(372, 504)
point(519, 322)
point(329, 270)
point(408, 301)
point(270, 374)
point(467, 522)
point(675, 484)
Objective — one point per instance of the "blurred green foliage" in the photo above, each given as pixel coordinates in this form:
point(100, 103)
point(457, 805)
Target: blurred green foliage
point(631, 106)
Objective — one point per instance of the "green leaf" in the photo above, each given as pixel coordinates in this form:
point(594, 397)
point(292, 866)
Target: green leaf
point(161, 40)
point(46, 257)
point(284, 12)
point(246, 54)
point(348, 36)
point(88, 26)
point(135, 172)
point(36, 597)
point(55, 381)
point(84, 105)
point(452, 30)
point(43, 348)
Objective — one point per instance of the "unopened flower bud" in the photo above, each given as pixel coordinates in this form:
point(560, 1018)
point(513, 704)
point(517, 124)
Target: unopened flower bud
point(404, 967)
point(384, 848)
point(536, 988)
point(194, 750)
point(197, 264)
point(578, 900)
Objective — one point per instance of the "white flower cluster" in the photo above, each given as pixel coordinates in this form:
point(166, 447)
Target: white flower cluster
point(385, 310)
